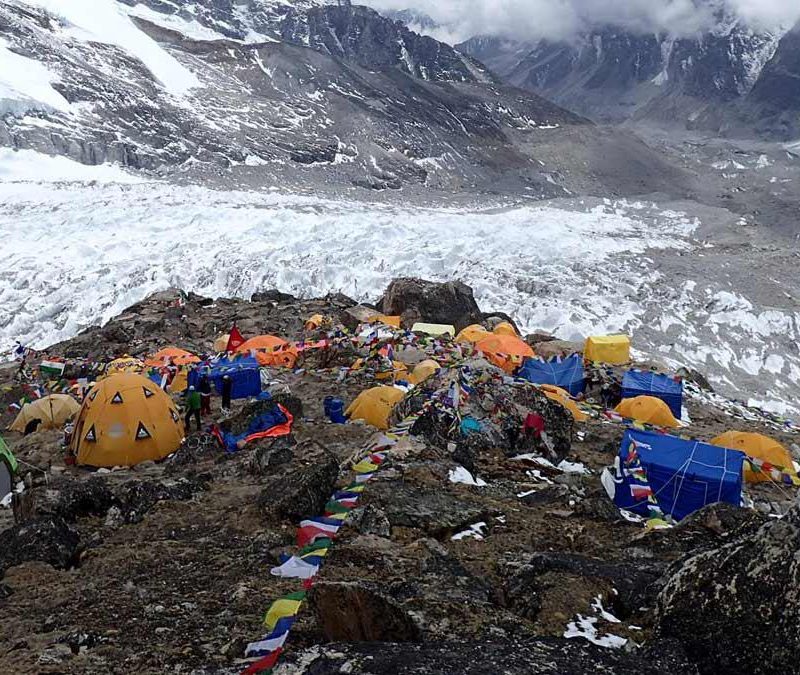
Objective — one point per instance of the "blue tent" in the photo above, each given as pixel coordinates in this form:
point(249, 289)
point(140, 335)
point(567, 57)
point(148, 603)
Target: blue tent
point(643, 383)
point(243, 371)
point(681, 476)
point(565, 373)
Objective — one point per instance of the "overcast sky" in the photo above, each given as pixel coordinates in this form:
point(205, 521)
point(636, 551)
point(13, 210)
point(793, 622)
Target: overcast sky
point(530, 19)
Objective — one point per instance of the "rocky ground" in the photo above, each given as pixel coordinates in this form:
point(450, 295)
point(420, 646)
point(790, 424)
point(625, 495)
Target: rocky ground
point(165, 567)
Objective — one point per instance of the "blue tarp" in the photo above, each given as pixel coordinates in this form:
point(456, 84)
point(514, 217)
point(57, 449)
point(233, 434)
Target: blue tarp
point(683, 475)
point(643, 383)
point(263, 422)
point(566, 373)
point(245, 375)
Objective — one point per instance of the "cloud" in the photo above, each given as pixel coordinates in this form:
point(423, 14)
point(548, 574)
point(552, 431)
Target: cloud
point(563, 19)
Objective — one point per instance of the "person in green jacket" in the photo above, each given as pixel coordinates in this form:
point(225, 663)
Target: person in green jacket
point(193, 405)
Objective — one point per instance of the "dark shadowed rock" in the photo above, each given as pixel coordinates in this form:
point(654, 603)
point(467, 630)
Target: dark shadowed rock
point(636, 584)
point(448, 303)
point(269, 453)
point(292, 403)
point(302, 493)
point(271, 295)
point(360, 612)
point(736, 608)
point(370, 520)
point(84, 498)
point(138, 497)
point(554, 656)
point(49, 539)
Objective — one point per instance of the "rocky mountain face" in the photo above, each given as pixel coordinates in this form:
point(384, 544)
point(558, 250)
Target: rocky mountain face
point(712, 81)
point(259, 92)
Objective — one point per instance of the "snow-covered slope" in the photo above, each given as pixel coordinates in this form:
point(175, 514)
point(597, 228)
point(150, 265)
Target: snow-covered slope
point(256, 92)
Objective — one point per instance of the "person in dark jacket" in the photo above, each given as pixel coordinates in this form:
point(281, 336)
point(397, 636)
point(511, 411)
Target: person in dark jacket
point(227, 391)
point(205, 394)
point(193, 405)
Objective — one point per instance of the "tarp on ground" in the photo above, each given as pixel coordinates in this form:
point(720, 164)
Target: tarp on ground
point(269, 424)
point(676, 475)
point(645, 383)
point(244, 372)
point(565, 373)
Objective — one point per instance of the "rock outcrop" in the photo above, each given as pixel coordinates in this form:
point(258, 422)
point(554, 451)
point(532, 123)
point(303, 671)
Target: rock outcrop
point(736, 608)
point(450, 303)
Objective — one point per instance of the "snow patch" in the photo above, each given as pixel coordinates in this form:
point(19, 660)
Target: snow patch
point(26, 85)
point(32, 166)
point(105, 21)
point(461, 475)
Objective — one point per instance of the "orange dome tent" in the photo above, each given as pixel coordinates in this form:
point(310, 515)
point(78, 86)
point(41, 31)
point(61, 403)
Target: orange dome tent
point(180, 357)
point(505, 351)
point(760, 447)
point(126, 419)
point(271, 350)
point(648, 409)
point(474, 333)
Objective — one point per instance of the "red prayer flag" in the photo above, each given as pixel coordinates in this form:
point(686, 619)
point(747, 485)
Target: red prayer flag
point(262, 665)
point(235, 340)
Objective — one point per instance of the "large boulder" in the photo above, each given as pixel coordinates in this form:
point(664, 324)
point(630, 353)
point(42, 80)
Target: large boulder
point(360, 612)
point(300, 494)
point(736, 608)
point(415, 300)
point(49, 539)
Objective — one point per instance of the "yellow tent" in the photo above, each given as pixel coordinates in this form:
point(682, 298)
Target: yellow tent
point(562, 397)
point(434, 329)
point(125, 364)
point(612, 349)
point(180, 357)
point(648, 409)
point(505, 328)
point(393, 321)
point(314, 322)
point(375, 406)
point(221, 343)
point(474, 333)
point(423, 371)
point(126, 419)
point(53, 411)
point(760, 447)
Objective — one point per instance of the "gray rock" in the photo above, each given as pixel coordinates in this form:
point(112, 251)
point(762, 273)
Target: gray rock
point(302, 493)
point(723, 602)
point(370, 519)
point(437, 513)
point(450, 303)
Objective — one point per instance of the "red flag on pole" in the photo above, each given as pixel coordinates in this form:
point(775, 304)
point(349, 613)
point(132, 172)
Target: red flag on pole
point(235, 340)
